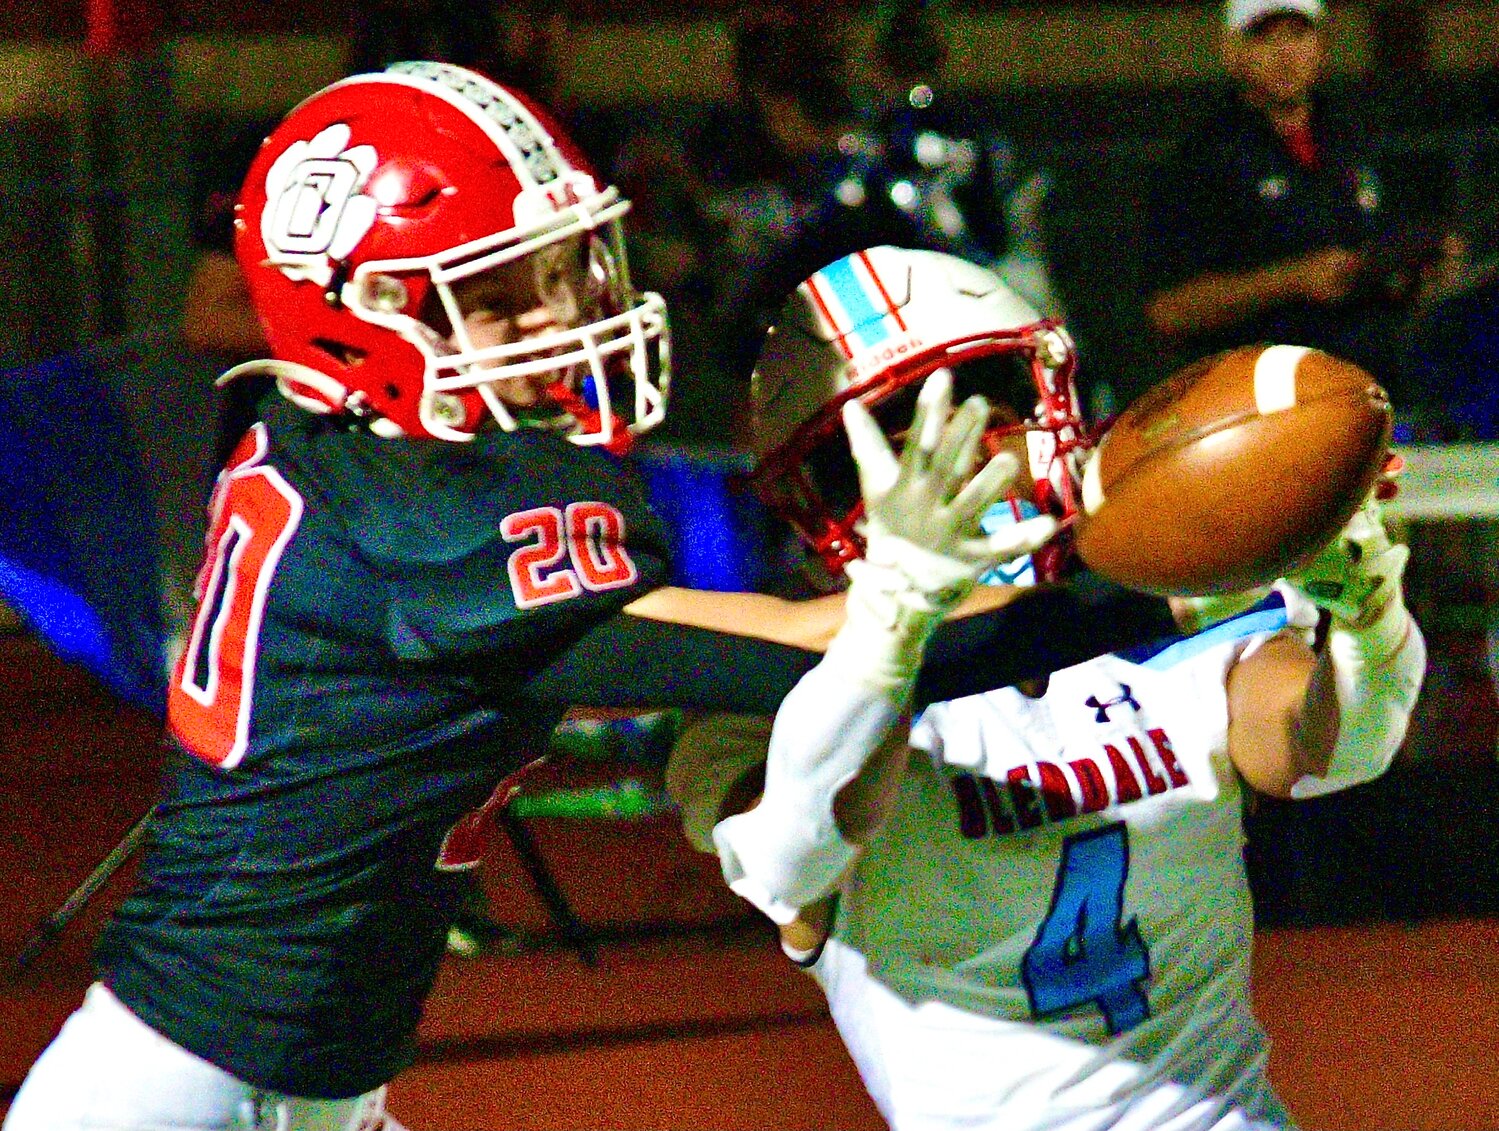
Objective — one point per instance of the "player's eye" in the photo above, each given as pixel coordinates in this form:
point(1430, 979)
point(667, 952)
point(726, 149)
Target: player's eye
point(492, 295)
point(563, 277)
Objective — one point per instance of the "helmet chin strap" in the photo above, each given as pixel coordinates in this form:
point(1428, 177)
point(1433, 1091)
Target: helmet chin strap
point(562, 394)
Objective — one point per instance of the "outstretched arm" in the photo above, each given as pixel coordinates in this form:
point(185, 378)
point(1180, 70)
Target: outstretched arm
point(716, 770)
point(833, 749)
point(1303, 724)
point(743, 652)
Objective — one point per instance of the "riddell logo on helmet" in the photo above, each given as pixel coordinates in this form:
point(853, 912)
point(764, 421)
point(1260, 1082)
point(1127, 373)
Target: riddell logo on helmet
point(535, 204)
point(315, 212)
point(885, 355)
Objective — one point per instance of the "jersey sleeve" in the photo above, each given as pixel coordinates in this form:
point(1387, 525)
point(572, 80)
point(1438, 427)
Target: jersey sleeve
point(1044, 630)
point(711, 757)
point(670, 665)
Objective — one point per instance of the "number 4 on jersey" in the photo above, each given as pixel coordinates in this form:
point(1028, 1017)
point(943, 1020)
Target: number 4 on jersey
point(1084, 954)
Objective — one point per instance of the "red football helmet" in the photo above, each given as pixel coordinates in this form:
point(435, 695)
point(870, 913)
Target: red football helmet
point(375, 196)
point(874, 325)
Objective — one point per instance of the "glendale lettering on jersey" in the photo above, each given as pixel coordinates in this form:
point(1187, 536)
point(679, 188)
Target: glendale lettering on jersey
point(1060, 791)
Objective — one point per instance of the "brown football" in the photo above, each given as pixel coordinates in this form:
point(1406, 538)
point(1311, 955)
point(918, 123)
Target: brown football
point(1233, 471)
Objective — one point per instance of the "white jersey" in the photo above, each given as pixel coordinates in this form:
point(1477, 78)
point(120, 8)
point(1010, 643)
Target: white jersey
point(1054, 927)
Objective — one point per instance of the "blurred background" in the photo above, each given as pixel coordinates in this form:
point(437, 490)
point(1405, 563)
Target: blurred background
point(128, 122)
point(757, 142)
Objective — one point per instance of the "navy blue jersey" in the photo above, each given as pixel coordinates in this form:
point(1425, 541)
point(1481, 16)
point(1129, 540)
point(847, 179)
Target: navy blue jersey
point(369, 610)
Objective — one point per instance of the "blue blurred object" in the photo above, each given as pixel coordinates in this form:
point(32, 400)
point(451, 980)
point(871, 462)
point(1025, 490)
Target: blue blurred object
point(78, 536)
point(106, 456)
point(719, 534)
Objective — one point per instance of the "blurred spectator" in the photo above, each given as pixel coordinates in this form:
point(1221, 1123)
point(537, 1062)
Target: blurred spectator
point(812, 168)
point(791, 181)
point(729, 217)
point(217, 319)
point(1272, 224)
point(801, 167)
point(672, 250)
point(511, 42)
point(964, 188)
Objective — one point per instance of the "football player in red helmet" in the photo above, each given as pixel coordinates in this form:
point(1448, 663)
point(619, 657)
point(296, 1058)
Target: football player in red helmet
point(418, 558)
point(411, 200)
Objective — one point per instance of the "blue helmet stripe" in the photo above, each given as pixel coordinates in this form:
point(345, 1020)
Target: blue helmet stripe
point(865, 319)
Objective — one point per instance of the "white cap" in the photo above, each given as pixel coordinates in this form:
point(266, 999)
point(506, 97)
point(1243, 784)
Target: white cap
point(1241, 15)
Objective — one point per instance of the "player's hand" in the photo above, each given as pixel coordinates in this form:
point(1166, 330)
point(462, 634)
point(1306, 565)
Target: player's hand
point(922, 509)
point(1359, 572)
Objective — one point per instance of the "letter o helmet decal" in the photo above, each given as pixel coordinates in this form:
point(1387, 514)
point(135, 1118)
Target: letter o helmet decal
point(315, 210)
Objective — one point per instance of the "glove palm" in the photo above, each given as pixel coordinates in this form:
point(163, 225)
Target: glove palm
point(1358, 573)
point(924, 548)
point(922, 509)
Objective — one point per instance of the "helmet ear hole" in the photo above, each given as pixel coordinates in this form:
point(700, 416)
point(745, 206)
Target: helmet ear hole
point(340, 352)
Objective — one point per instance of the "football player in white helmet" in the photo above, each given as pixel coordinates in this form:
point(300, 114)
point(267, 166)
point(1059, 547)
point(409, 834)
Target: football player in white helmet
point(1048, 922)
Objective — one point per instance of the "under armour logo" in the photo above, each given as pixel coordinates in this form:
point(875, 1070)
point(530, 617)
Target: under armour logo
point(1101, 707)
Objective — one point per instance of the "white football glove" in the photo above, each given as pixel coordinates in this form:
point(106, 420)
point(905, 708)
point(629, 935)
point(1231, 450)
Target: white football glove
point(924, 548)
point(1358, 573)
point(1375, 647)
point(925, 552)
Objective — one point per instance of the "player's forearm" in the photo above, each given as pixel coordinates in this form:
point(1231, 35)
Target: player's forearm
point(808, 624)
point(792, 849)
point(717, 770)
point(1279, 715)
point(1374, 656)
point(836, 739)
point(1217, 300)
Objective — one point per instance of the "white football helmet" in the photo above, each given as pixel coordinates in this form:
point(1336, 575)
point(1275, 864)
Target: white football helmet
point(873, 325)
